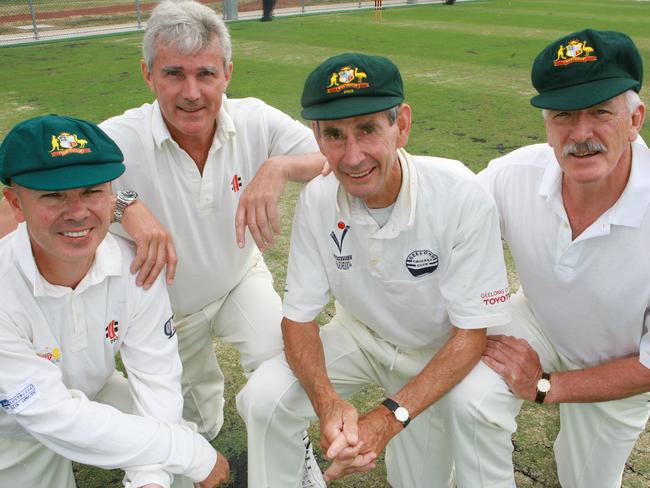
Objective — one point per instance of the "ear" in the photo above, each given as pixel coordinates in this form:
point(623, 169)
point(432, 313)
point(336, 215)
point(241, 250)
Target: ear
point(228, 73)
point(403, 123)
point(146, 74)
point(638, 116)
point(14, 203)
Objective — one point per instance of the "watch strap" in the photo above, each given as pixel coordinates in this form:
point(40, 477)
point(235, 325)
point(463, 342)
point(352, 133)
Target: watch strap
point(392, 405)
point(541, 395)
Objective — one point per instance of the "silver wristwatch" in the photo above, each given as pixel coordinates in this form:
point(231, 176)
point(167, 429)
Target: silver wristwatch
point(124, 199)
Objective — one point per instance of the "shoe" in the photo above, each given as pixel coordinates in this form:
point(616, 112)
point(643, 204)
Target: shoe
point(311, 473)
point(267, 19)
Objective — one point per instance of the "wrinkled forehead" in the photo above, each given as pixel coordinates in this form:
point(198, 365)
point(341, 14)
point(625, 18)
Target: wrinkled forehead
point(211, 53)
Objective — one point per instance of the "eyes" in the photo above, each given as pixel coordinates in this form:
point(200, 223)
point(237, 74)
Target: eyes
point(179, 74)
point(90, 194)
point(600, 113)
point(334, 135)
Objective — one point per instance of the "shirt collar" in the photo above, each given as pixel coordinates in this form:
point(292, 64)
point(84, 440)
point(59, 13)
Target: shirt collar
point(225, 124)
point(403, 214)
point(631, 206)
point(108, 262)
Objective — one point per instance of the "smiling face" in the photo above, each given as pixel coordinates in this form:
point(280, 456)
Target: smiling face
point(189, 89)
point(362, 152)
point(65, 227)
point(593, 145)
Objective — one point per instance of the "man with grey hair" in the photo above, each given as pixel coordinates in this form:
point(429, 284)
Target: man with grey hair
point(189, 155)
point(575, 213)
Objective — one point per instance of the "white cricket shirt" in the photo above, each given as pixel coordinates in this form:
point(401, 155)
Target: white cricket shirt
point(438, 260)
point(57, 349)
point(199, 210)
point(590, 296)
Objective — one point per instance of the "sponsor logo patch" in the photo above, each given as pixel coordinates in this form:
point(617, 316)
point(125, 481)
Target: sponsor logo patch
point(343, 262)
point(112, 331)
point(575, 51)
point(25, 395)
point(496, 296)
point(347, 80)
point(66, 143)
point(169, 328)
point(236, 183)
point(54, 355)
point(421, 262)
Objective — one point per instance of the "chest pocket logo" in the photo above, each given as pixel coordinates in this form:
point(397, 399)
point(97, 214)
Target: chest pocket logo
point(421, 262)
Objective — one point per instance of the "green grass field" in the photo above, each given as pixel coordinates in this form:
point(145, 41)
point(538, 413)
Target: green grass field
point(466, 70)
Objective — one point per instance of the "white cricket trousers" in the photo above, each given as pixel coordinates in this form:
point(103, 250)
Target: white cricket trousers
point(277, 410)
point(29, 464)
point(248, 318)
point(595, 439)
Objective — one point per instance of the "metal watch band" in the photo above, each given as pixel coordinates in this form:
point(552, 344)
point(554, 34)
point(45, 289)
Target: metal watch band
point(541, 395)
point(392, 405)
point(124, 198)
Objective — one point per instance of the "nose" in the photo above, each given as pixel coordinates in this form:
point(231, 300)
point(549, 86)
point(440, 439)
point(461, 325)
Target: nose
point(75, 209)
point(582, 129)
point(191, 88)
point(353, 152)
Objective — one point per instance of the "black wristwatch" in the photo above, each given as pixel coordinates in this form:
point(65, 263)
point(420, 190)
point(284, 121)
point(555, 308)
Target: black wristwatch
point(543, 387)
point(401, 414)
point(124, 199)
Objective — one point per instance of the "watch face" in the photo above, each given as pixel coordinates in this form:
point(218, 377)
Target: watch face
point(401, 414)
point(543, 385)
point(127, 195)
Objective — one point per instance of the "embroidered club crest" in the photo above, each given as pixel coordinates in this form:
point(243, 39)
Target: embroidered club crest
point(575, 51)
point(347, 79)
point(66, 143)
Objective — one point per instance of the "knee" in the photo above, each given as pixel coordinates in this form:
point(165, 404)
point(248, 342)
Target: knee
point(481, 397)
point(263, 393)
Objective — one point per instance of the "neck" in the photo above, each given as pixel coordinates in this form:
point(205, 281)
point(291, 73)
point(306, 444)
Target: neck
point(584, 203)
point(196, 146)
point(62, 273)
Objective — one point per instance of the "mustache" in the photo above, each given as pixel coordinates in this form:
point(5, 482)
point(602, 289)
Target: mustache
point(583, 147)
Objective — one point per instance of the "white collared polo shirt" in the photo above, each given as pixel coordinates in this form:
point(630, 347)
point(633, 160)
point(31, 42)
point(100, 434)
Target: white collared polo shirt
point(199, 210)
point(591, 295)
point(57, 349)
point(438, 260)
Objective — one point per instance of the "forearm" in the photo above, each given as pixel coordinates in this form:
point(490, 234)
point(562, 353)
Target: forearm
point(301, 167)
point(304, 351)
point(611, 381)
point(447, 368)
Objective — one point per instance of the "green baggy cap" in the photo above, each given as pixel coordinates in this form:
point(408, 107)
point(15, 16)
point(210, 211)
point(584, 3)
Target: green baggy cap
point(586, 68)
point(349, 85)
point(54, 152)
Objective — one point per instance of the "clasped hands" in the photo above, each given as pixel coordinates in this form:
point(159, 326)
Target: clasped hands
point(352, 442)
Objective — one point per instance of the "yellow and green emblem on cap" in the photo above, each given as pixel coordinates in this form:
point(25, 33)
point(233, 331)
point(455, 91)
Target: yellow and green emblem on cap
point(349, 85)
point(586, 68)
point(54, 152)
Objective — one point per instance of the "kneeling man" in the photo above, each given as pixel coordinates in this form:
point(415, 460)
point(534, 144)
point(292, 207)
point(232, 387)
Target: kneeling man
point(69, 304)
point(409, 246)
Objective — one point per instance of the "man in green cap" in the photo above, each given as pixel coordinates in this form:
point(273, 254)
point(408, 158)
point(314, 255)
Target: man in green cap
point(409, 247)
point(69, 305)
point(575, 213)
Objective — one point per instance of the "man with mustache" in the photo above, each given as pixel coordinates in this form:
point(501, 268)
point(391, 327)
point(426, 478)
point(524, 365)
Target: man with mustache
point(575, 214)
point(410, 249)
point(69, 305)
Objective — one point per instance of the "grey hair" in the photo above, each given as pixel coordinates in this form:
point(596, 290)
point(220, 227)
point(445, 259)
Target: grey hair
point(187, 25)
point(631, 98)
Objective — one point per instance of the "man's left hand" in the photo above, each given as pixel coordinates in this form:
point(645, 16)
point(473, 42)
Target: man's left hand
point(258, 205)
point(356, 463)
point(154, 245)
point(516, 362)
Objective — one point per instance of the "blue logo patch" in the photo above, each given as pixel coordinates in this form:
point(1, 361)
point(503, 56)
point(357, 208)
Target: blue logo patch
point(24, 396)
point(421, 262)
point(170, 328)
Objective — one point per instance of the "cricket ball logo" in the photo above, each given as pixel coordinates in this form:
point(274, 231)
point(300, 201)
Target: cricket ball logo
point(236, 183)
point(342, 262)
point(112, 331)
